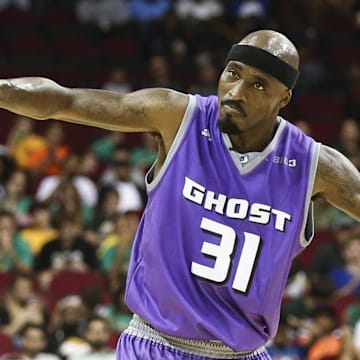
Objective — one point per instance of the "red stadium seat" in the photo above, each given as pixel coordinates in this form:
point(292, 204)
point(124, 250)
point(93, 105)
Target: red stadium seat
point(339, 305)
point(326, 132)
point(321, 238)
point(23, 44)
point(74, 46)
point(118, 46)
point(324, 114)
point(319, 108)
point(344, 54)
point(4, 281)
point(58, 15)
point(72, 283)
point(113, 340)
point(15, 17)
point(6, 344)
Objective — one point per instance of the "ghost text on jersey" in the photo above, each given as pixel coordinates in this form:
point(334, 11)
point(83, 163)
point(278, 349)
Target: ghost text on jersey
point(234, 208)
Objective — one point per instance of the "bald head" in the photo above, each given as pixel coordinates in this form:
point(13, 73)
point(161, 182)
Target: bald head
point(275, 43)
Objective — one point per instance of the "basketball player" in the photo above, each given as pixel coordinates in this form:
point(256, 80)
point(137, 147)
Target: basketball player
point(229, 200)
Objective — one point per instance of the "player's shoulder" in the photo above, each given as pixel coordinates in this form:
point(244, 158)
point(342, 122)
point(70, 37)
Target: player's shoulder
point(329, 156)
point(206, 104)
point(330, 166)
point(172, 99)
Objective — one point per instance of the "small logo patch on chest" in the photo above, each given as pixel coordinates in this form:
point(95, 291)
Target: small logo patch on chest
point(205, 132)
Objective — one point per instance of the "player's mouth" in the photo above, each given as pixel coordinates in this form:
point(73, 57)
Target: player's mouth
point(234, 107)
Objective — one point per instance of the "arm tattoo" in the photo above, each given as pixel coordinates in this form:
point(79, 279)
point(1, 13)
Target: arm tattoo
point(342, 187)
point(96, 110)
point(342, 181)
point(136, 111)
point(111, 111)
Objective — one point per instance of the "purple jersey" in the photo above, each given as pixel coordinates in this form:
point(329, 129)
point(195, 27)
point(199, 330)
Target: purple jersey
point(216, 241)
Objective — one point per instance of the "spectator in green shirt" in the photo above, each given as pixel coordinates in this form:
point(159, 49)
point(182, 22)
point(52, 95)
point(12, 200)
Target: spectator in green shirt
point(117, 312)
point(105, 146)
point(16, 198)
point(15, 253)
point(114, 252)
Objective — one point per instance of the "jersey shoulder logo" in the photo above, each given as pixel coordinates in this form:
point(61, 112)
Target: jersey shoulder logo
point(283, 160)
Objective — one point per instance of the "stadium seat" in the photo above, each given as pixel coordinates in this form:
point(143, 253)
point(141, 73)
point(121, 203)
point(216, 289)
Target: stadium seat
point(327, 132)
point(321, 238)
point(72, 283)
point(113, 340)
point(59, 15)
point(119, 50)
point(13, 16)
point(6, 344)
point(324, 114)
point(26, 44)
point(5, 278)
point(319, 107)
point(74, 49)
point(340, 304)
point(344, 54)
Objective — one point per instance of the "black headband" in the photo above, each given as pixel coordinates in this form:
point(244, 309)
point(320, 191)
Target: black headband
point(265, 61)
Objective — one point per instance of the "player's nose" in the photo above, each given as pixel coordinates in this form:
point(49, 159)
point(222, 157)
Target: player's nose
point(238, 91)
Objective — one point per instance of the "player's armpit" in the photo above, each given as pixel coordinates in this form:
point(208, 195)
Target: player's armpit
point(338, 181)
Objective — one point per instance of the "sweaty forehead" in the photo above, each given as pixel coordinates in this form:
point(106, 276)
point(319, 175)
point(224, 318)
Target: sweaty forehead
point(274, 43)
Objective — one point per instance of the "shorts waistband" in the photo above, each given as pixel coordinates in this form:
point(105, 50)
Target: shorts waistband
point(213, 349)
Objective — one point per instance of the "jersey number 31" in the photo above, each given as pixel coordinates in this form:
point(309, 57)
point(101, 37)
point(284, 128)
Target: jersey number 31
point(222, 253)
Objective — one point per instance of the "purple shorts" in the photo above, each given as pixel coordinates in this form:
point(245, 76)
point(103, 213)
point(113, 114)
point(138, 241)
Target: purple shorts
point(144, 343)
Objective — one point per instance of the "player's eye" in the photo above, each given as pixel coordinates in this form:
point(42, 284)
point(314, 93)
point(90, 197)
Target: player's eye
point(258, 86)
point(233, 74)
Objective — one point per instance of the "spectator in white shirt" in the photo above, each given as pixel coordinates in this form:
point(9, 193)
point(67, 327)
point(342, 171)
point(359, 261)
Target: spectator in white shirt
point(85, 186)
point(200, 10)
point(120, 177)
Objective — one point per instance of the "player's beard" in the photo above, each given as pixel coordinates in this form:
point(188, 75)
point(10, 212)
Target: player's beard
point(227, 126)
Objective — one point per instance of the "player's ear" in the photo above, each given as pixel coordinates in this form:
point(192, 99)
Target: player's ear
point(286, 97)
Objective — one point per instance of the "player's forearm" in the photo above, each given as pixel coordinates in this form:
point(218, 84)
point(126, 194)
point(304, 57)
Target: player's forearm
point(36, 97)
point(42, 98)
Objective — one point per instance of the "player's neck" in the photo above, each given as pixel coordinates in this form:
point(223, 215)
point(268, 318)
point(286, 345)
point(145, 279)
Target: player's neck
point(253, 140)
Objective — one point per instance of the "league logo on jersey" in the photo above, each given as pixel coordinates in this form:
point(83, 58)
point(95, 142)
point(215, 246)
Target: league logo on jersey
point(205, 132)
point(285, 161)
point(244, 159)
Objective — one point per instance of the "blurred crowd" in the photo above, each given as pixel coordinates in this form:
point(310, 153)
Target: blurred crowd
point(70, 205)
point(67, 221)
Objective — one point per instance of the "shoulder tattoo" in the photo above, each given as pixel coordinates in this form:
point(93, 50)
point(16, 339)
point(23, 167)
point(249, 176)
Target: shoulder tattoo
point(340, 178)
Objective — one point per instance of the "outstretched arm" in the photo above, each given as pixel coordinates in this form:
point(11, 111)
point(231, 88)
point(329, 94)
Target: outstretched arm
point(338, 181)
point(145, 110)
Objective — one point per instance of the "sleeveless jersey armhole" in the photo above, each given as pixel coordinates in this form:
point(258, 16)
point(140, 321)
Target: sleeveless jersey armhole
point(307, 230)
point(309, 227)
point(151, 181)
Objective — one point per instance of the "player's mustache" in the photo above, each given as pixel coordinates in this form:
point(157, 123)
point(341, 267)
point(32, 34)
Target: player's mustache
point(235, 104)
